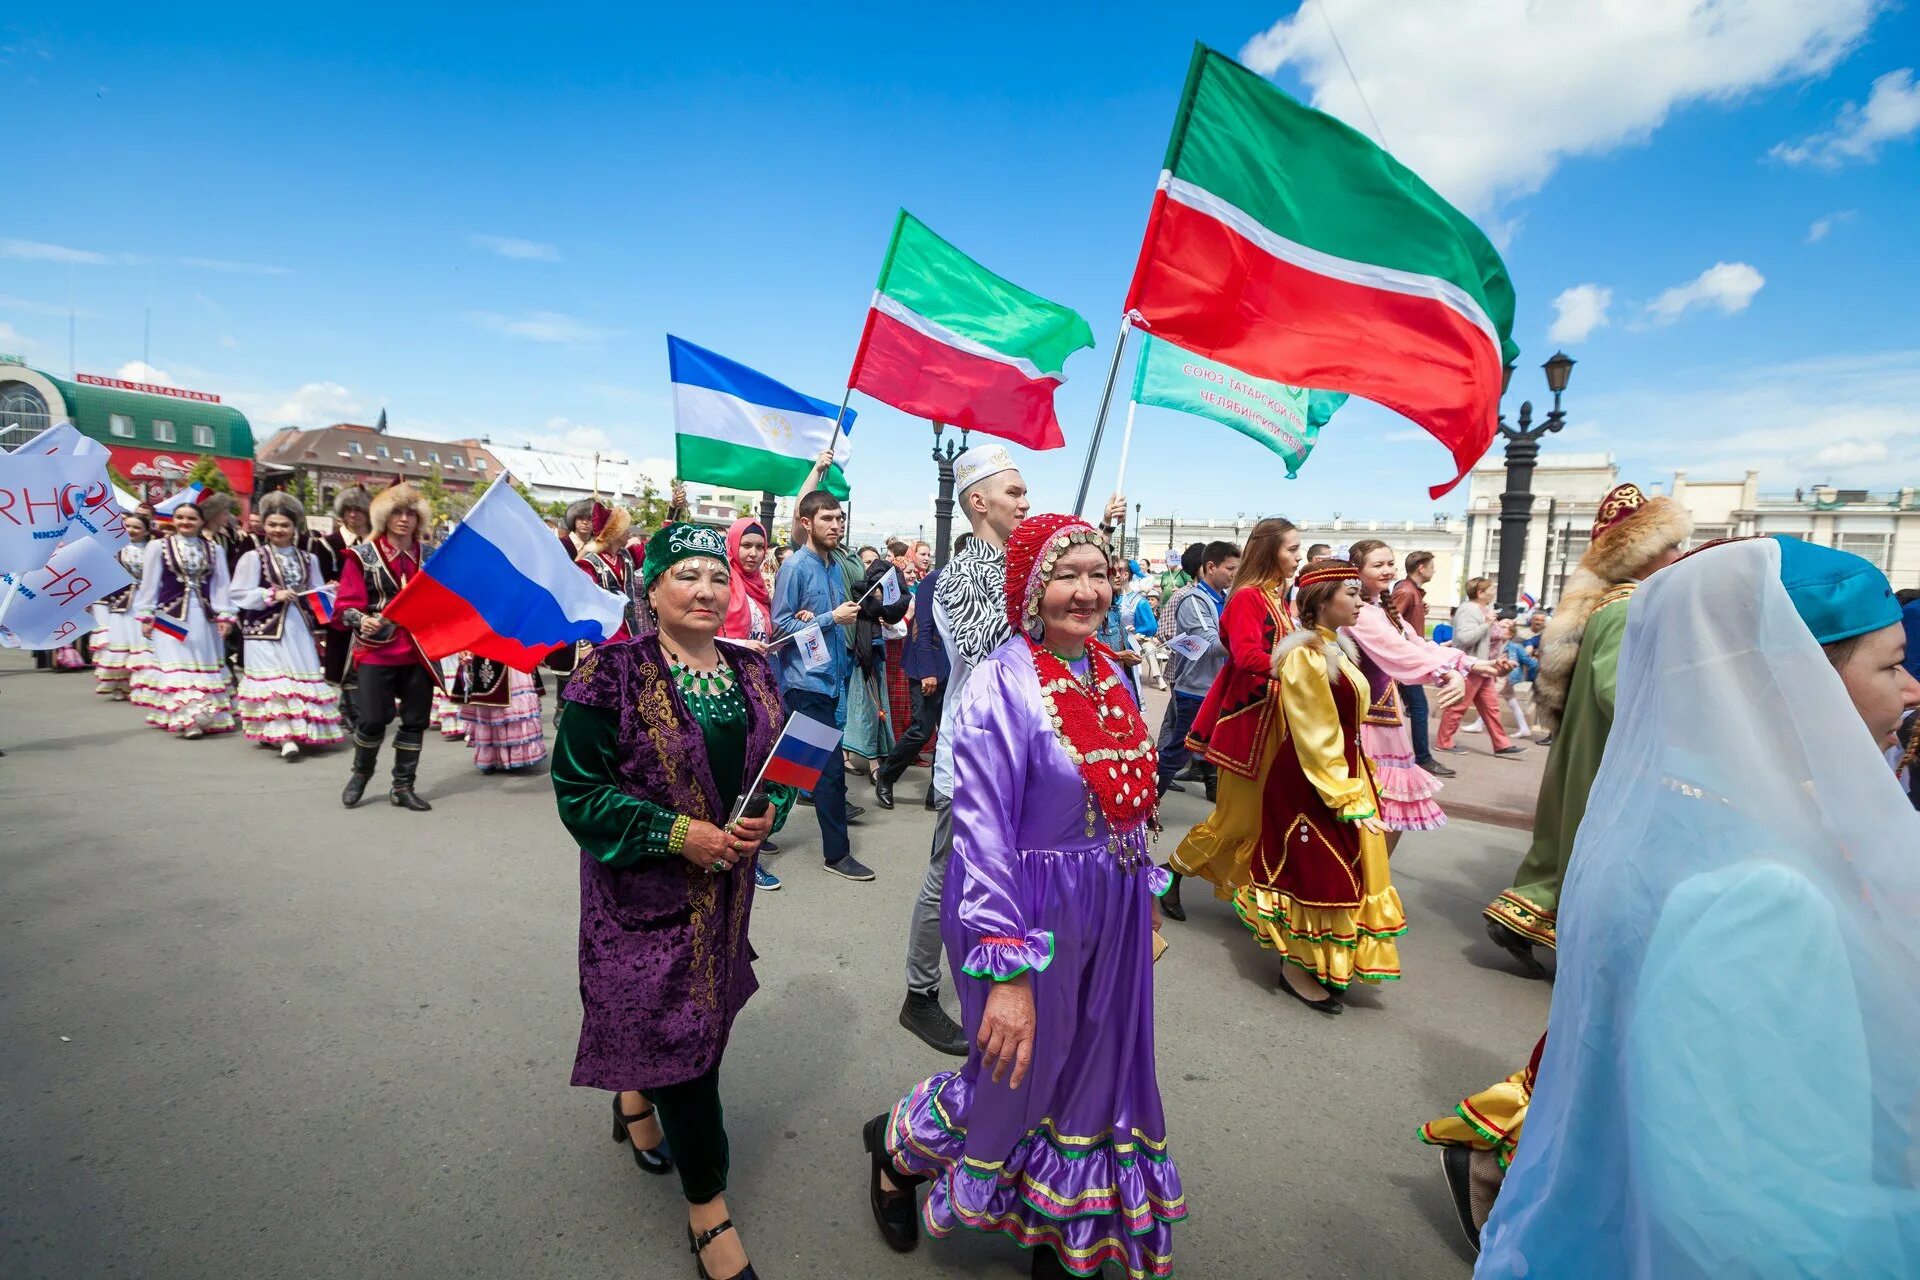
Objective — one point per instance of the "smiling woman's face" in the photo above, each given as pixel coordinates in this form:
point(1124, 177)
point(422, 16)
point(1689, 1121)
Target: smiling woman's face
point(690, 599)
point(1077, 595)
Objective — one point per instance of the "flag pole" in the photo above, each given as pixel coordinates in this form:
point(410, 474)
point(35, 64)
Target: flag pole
point(1126, 446)
point(1100, 420)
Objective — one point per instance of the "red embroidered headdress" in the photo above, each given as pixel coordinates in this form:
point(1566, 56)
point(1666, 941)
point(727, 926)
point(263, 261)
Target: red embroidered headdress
point(1094, 716)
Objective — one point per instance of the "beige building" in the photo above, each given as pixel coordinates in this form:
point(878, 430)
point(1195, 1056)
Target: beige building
point(1445, 538)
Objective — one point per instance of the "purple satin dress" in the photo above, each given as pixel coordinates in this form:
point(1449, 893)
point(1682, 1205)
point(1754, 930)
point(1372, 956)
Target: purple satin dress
point(1076, 1159)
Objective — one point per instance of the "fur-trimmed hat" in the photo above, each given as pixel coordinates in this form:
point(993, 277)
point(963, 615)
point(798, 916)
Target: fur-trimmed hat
point(280, 503)
point(1629, 531)
point(214, 506)
point(355, 497)
point(394, 497)
point(581, 510)
point(610, 526)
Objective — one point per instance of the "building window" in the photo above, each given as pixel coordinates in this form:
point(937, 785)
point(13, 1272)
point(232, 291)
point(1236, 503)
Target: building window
point(23, 415)
point(479, 464)
point(1874, 547)
point(162, 431)
point(460, 462)
point(120, 425)
point(409, 455)
point(354, 445)
point(382, 451)
point(433, 456)
point(1705, 533)
point(203, 435)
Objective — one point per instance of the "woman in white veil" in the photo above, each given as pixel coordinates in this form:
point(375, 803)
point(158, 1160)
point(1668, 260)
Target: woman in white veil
point(1731, 1082)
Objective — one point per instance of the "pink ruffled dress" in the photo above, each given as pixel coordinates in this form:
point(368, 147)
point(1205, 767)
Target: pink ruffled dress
point(1393, 655)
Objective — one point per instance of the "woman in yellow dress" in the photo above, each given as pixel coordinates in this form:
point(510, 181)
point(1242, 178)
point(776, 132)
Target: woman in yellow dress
point(1234, 729)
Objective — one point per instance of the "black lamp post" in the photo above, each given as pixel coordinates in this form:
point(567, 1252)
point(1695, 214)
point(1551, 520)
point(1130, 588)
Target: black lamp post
point(1523, 451)
point(766, 518)
point(943, 456)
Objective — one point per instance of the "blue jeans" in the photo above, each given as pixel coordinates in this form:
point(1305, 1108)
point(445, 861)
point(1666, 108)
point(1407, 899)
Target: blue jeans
point(1181, 709)
point(1414, 699)
point(830, 796)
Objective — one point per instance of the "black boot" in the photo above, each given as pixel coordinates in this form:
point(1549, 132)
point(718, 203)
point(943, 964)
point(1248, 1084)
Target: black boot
point(1170, 900)
point(406, 767)
point(894, 1212)
point(366, 756)
point(1047, 1265)
point(922, 1015)
point(1213, 784)
point(1517, 946)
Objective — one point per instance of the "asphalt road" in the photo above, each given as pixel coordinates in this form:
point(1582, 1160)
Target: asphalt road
point(244, 1032)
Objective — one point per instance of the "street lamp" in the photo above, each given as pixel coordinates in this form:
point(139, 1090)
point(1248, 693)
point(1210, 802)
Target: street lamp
point(1523, 451)
point(943, 457)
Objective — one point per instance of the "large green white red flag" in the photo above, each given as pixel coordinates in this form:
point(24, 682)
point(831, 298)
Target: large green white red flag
point(1287, 245)
point(949, 340)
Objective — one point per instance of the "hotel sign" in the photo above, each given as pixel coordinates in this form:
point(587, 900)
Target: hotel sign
point(152, 389)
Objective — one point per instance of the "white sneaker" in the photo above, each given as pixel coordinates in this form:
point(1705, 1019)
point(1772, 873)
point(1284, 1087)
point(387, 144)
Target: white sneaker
point(193, 731)
point(1478, 726)
point(289, 751)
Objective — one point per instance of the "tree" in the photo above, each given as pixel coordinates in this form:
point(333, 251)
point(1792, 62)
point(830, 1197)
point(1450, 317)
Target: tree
point(121, 482)
point(208, 474)
point(650, 510)
point(434, 490)
point(303, 489)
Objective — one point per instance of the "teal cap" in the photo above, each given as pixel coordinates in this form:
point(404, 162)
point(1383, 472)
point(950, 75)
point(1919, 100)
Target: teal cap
point(1837, 594)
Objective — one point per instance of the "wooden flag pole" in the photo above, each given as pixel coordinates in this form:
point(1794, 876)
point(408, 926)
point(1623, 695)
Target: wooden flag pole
point(1100, 420)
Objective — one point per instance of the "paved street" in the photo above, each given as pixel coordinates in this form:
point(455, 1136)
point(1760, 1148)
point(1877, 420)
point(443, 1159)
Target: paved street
point(248, 1033)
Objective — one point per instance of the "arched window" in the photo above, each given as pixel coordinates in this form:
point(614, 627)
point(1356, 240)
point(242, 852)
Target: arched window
point(23, 414)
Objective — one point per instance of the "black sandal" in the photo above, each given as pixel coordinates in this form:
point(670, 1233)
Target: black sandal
point(707, 1237)
point(656, 1160)
point(1329, 1006)
point(896, 1213)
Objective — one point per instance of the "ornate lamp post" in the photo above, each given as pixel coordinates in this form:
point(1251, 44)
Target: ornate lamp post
point(943, 457)
point(766, 518)
point(1523, 451)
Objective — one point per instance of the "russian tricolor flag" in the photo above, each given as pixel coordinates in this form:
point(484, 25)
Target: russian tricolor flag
point(802, 754)
point(192, 493)
point(162, 623)
point(504, 587)
point(321, 605)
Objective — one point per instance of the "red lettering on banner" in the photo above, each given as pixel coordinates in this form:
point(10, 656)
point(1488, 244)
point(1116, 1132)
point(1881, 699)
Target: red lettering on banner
point(52, 504)
point(6, 505)
point(178, 393)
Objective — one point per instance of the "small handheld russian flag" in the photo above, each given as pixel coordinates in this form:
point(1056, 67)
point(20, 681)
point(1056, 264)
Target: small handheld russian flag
point(1527, 601)
point(801, 755)
point(192, 493)
point(321, 605)
point(168, 626)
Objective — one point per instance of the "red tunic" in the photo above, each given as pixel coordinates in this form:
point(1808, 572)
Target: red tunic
point(1241, 709)
point(1306, 851)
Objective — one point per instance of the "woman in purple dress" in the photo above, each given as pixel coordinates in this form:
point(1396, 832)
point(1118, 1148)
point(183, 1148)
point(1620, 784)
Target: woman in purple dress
point(1052, 1133)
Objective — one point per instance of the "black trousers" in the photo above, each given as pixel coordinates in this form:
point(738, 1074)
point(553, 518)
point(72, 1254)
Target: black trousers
point(696, 1129)
point(926, 719)
point(379, 690)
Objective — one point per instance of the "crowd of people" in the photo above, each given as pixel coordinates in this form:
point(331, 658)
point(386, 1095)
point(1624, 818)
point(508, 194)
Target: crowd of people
point(1721, 858)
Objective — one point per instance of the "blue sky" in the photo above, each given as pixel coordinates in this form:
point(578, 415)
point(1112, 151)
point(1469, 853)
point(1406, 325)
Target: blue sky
point(487, 224)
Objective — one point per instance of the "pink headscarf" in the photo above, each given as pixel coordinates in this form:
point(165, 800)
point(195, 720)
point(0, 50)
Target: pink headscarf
point(746, 586)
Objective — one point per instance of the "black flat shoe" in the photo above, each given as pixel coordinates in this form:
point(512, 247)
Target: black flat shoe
point(1517, 946)
point(656, 1160)
point(1330, 1006)
point(854, 811)
point(883, 793)
point(1170, 900)
point(1047, 1266)
point(896, 1213)
point(707, 1237)
point(1456, 1164)
point(768, 846)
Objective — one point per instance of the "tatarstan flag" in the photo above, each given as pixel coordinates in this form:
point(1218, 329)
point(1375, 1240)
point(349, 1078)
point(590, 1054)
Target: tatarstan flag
point(949, 340)
point(1287, 245)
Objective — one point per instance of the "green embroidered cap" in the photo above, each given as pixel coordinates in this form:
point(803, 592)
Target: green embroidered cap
point(676, 542)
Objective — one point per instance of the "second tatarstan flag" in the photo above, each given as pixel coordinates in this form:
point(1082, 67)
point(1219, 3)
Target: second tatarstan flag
point(949, 340)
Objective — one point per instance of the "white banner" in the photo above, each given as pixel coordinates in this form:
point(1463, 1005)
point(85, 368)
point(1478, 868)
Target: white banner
point(39, 494)
point(813, 648)
point(1192, 646)
point(46, 608)
point(63, 437)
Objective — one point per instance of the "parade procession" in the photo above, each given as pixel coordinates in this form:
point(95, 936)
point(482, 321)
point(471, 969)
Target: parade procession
point(1491, 851)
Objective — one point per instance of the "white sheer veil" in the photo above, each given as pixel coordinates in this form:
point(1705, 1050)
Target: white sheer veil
point(1729, 1083)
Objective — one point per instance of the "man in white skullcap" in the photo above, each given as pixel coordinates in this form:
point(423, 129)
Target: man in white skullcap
point(970, 610)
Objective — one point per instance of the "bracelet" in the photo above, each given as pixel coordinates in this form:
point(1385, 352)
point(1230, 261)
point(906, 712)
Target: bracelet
point(677, 837)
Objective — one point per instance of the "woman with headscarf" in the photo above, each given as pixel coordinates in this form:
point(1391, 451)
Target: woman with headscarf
point(1052, 1133)
point(750, 604)
point(284, 699)
point(122, 650)
point(1319, 892)
point(869, 732)
point(185, 610)
point(1733, 1054)
point(661, 739)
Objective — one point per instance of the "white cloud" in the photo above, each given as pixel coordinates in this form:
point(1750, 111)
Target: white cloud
point(141, 371)
point(1892, 113)
point(1485, 100)
point(1848, 419)
point(39, 251)
point(541, 326)
point(1822, 227)
point(1578, 311)
point(16, 342)
point(1727, 286)
point(27, 305)
point(514, 247)
point(311, 404)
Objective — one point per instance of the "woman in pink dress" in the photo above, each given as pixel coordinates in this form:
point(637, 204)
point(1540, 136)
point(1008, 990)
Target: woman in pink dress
point(1391, 654)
